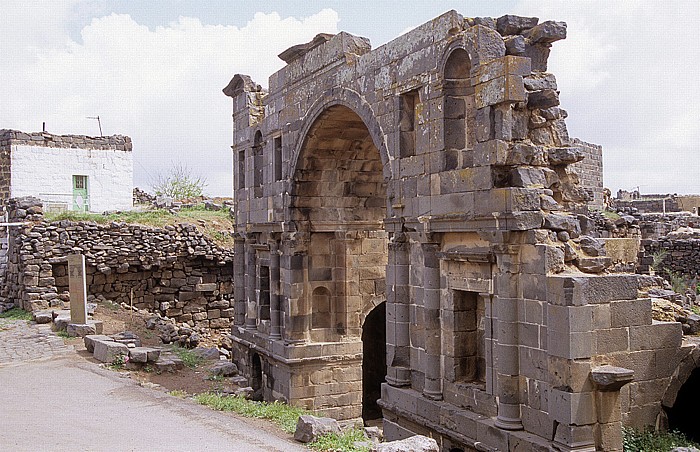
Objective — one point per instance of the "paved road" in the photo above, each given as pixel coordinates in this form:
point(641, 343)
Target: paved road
point(61, 402)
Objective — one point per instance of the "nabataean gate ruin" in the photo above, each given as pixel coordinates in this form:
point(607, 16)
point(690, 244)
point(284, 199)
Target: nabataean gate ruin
point(407, 232)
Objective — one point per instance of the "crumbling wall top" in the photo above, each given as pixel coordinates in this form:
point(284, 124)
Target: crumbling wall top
point(15, 137)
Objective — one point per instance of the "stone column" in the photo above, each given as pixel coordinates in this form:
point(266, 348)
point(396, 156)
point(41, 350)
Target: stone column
point(77, 289)
point(432, 388)
point(397, 312)
point(275, 311)
point(251, 316)
point(239, 281)
point(507, 349)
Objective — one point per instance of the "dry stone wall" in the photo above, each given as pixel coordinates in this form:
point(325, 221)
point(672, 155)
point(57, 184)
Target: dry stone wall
point(175, 271)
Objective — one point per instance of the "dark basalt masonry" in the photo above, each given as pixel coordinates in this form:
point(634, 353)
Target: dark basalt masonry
point(407, 233)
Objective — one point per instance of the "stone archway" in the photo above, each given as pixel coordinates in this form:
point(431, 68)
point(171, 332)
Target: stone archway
point(373, 361)
point(339, 201)
point(682, 416)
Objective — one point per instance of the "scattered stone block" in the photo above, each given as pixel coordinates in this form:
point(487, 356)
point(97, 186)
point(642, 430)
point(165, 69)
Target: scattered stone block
point(224, 369)
point(80, 329)
point(42, 316)
point(209, 353)
point(417, 443)
point(311, 427)
point(107, 351)
point(144, 354)
point(127, 337)
point(89, 341)
point(513, 25)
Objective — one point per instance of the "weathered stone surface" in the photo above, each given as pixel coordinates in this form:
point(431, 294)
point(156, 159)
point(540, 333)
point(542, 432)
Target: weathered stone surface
point(311, 427)
point(561, 222)
point(547, 32)
point(591, 246)
point(224, 369)
point(42, 316)
point(81, 330)
point(89, 341)
point(545, 98)
point(593, 264)
point(144, 354)
point(209, 353)
point(417, 443)
point(511, 25)
point(564, 155)
point(611, 378)
point(107, 351)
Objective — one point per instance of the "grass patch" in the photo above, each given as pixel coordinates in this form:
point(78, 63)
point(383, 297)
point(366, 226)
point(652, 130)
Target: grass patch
point(648, 441)
point(213, 224)
point(63, 333)
point(178, 393)
point(16, 314)
point(188, 357)
point(284, 415)
point(345, 442)
point(119, 362)
point(610, 215)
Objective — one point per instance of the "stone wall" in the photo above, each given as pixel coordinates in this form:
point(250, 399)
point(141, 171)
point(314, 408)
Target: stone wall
point(106, 161)
point(590, 171)
point(174, 270)
point(682, 256)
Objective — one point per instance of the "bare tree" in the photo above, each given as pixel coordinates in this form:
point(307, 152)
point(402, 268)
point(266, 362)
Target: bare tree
point(179, 183)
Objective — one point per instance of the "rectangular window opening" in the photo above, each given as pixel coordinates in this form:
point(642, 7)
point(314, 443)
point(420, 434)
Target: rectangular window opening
point(407, 123)
point(278, 158)
point(468, 334)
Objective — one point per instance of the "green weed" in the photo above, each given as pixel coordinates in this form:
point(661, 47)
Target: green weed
point(63, 333)
point(119, 362)
point(178, 393)
point(344, 442)
point(188, 357)
point(284, 415)
point(648, 441)
point(16, 314)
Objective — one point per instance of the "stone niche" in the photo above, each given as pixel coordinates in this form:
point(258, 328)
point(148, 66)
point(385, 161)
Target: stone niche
point(406, 247)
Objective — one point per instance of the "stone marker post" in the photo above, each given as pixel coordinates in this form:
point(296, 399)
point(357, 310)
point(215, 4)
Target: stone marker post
point(77, 288)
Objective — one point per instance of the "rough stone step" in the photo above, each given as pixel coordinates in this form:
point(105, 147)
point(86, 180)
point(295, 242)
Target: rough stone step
point(89, 341)
point(144, 354)
point(107, 351)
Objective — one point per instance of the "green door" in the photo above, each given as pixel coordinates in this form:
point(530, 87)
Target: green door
point(80, 193)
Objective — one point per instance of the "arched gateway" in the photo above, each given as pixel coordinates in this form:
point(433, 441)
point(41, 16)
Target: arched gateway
point(404, 230)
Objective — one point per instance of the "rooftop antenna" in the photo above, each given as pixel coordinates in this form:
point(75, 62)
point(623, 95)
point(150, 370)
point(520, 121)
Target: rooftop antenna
point(98, 122)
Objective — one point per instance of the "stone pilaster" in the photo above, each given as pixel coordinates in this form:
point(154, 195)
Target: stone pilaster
point(275, 295)
point(239, 302)
point(433, 339)
point(398, 297)
point(251, 316)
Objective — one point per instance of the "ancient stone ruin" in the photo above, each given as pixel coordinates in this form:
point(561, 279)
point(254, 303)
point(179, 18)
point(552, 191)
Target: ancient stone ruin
point(409, 231)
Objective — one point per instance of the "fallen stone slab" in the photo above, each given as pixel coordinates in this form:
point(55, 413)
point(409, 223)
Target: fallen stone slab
point(127, 337)
point(210, 353)
point(60, 322)
point(90, 339)
point(224, 369)
point(143, 354)
point(417, 443)
point(168, 362)
point(311, 427)
point(42, 316)
point(107, 351)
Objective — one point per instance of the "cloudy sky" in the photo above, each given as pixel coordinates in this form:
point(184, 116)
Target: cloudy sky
point(154, 70)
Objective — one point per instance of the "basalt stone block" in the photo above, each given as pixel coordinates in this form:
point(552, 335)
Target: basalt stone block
point(561, 222)
point(107, 351)
point(311, 427)
point(542, 99)
point(565, 155)
point(89, 341)
point(527, 177)
point(526, 154)
point(515, 45)
point(547, 32)
point(512, 25)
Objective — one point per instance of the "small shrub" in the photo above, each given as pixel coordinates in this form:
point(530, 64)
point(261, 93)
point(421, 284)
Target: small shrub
point(344, 442)
point(119, 362)
point(679, 282)
point(63, 333)
point(657, 259)
point(16, 314)
point(284, 415)
point(649, 441)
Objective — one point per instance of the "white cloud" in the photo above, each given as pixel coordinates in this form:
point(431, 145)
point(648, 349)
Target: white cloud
point(161, 86)
point(627, 77)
